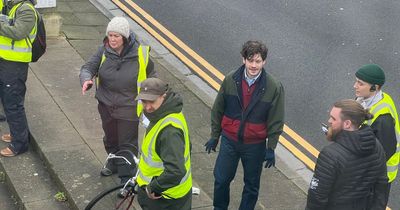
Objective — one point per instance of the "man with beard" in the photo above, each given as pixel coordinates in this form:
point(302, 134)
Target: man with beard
point(351, 172)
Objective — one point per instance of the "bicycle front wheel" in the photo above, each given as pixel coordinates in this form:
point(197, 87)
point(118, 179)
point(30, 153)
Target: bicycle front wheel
point(109, 200)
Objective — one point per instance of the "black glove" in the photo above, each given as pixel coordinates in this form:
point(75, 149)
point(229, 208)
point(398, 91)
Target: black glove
point(211, 144)
point(269, 158)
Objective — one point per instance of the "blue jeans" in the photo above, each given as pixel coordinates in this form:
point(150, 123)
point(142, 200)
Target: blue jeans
point(252, 157)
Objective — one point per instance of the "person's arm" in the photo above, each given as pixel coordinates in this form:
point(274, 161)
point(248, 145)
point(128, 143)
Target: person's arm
point(24, 22)
point(217, 113)
point(276, 115)
point(384, 130)
point(91, 67)
point(170, 147)
point(322, 182)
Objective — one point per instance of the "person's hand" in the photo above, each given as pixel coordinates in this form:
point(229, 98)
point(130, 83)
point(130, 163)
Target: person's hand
point(211, 145)
point(269, 158)
point(86, 86)
point(151, 194)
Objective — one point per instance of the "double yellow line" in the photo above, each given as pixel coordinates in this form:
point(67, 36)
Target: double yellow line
point(217, 74)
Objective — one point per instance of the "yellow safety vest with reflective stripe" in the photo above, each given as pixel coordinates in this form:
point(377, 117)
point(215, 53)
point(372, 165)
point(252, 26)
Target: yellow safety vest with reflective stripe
point(143, 59)
point(18, 50)
point(386, 106)
point(151, 165)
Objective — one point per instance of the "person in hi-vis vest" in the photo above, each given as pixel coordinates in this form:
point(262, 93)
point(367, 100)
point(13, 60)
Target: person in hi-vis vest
point(385, 124)
point(17, 32)
point(117, 68)
point(164, 177)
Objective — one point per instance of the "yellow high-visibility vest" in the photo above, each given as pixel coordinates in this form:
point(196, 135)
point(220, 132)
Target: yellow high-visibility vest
point(18, 50)
point(151, 165)
point(143, 60)
point(386, 106)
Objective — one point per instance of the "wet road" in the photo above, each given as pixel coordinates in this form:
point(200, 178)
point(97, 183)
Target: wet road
point(315, 47)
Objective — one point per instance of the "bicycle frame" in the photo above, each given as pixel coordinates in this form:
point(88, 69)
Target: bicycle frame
point(132, 180)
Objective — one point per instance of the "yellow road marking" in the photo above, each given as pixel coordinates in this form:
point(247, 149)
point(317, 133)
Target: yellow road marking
point(169, 46)
point(177, 41)
point(201, 73)
point(301, 141)
point(304, 158)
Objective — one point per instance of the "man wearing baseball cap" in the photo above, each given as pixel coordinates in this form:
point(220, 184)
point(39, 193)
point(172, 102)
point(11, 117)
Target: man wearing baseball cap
point(385, 123)
point(164, 176)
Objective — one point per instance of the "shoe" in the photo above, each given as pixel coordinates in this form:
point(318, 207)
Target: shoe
point(7, 152)
point(105, 172)
point(6, 138)
point(109, 169)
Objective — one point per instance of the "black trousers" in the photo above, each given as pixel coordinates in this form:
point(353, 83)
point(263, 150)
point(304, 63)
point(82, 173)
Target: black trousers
point(13, 76)
point(120, 138)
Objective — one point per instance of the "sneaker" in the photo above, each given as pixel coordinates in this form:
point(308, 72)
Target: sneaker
point(105, 172)
point(108, 169)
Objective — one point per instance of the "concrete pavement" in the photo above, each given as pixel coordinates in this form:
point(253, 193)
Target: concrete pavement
point(66, 129)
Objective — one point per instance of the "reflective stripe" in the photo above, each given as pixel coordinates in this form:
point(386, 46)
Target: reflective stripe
point(387, 106)
point(149, 156)
point(16, 49)
point(149, 159)
point(144, 55)
point(392, 168)
point(145, 178)
point(186, 176)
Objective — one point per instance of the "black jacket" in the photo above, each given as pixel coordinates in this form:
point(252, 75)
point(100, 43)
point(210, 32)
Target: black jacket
point(350, 174)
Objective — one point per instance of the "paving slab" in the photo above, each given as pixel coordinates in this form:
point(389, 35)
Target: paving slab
point(66, 126)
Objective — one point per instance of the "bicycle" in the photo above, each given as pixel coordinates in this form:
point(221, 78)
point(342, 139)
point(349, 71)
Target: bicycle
point(120, 196)
point(117, 197)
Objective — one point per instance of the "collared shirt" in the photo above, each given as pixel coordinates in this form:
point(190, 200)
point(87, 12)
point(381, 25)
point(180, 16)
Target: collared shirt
point(369, 102)
point(250, 81)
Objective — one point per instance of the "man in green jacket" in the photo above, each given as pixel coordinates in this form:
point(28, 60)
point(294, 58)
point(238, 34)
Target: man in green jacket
point(164, 176)
point(249, 109)
point(17, 31)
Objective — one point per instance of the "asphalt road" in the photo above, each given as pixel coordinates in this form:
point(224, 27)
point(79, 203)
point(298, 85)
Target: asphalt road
point(315, 47)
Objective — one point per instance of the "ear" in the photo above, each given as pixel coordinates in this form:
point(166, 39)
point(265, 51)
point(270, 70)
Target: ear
point(244, 60)
point(264, 62)
point(347, 124)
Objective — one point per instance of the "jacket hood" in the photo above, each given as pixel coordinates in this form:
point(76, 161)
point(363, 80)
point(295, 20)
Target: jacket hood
point(172, 104)
point(14, 2)
point(361, 142)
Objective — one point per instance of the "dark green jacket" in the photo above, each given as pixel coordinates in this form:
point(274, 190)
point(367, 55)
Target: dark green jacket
point(170, 145)
point(263, 118)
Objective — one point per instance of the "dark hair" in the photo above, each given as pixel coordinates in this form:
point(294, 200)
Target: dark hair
point(251, 48)
point(353, 111)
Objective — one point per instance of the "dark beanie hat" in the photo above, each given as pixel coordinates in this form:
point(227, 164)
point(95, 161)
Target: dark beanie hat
point(371, 73)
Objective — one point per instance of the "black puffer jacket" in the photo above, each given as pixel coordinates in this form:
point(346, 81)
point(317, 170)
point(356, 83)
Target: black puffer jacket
point(350, 174)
